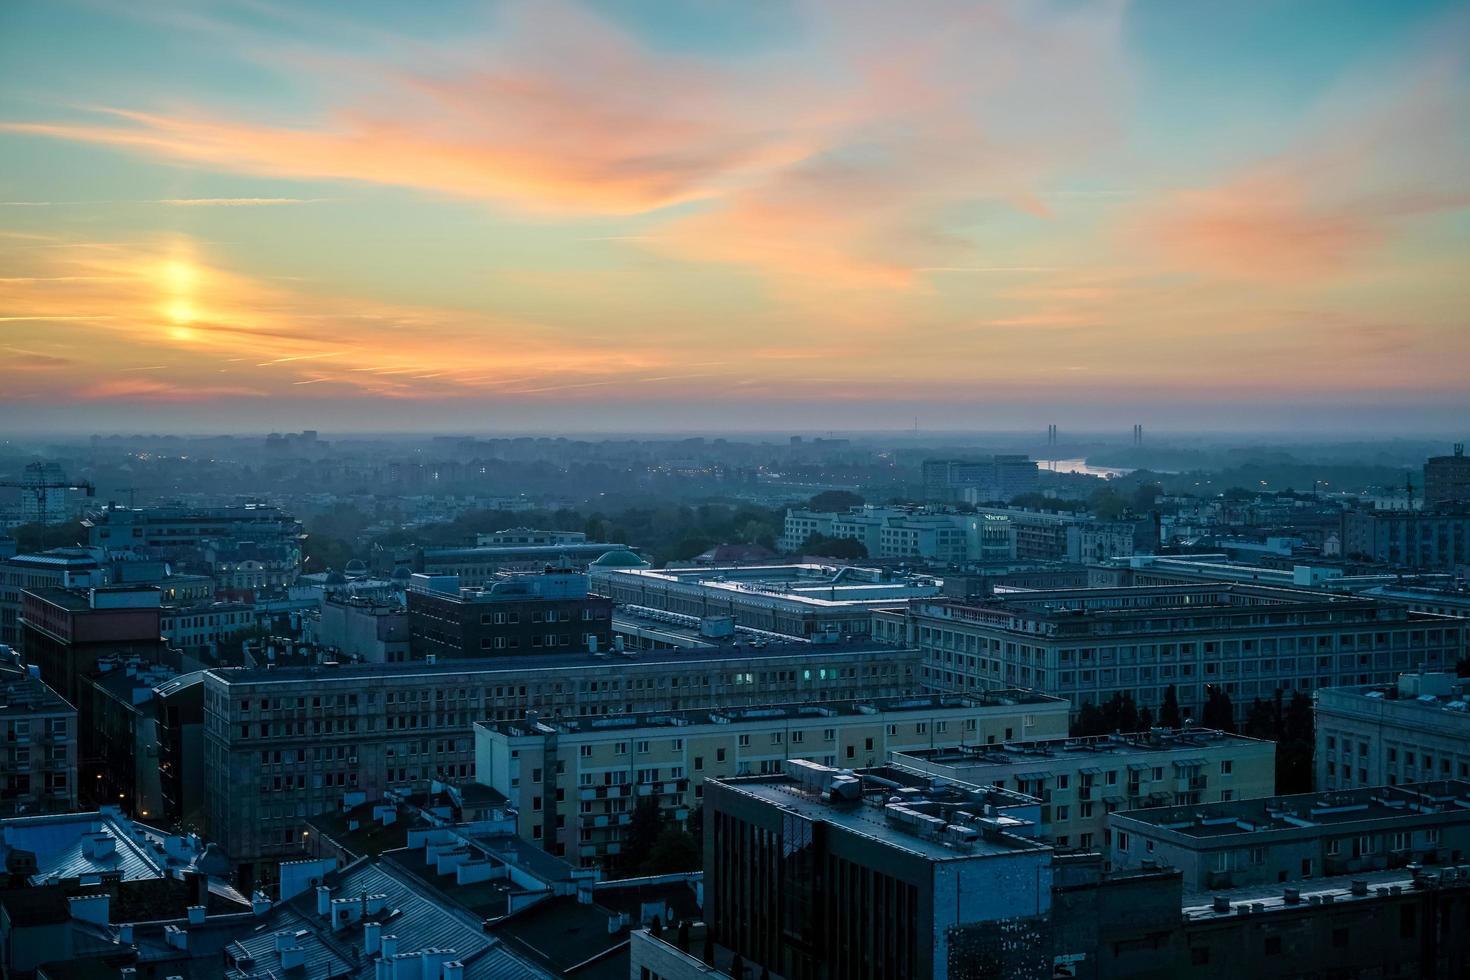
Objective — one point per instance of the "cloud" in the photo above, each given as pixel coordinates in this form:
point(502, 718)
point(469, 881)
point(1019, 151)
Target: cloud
point(838, 157)
point(1383, 150)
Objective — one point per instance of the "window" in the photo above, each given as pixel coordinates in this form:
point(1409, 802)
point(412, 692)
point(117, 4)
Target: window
point(1227, 766)
point(642, 746)
point(585, 751)
point(1122, 840)
point(719, 755)
point(620, 748)
point(1063, 780)
point(699, 763)
point(744, 741)
point(829, 734)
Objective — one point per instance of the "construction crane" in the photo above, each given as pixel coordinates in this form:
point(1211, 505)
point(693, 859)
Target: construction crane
point(37, 483)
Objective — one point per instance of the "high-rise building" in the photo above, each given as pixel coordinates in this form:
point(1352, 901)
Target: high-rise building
point(1447, 478)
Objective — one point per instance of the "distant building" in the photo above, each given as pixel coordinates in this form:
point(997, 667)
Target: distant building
point(550, 612)
point(38, 761)
point(905, 532)
point(820, 873)
point(528, 536)
point(1249, 640)
point(1291, 838)
point(203, 629)
point(175, 531)
point(1415, 730)
point(798, 600)
point(1083, 780)
point(575, 783)
point(479, 566)
point(1433, 539)
point(998, 478)
point(1447, 478)
point(282, 743)
point(1038, 535)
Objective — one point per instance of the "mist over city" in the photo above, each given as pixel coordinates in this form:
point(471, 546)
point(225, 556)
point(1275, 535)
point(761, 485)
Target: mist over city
point(803, 490)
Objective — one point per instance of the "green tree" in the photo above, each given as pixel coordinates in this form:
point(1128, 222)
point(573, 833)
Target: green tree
point(644, 827)
point(1107, 504)
point(839, 501)
point(675, 850)
point(1169, 716)
point(1219, 713)
point(825, 547)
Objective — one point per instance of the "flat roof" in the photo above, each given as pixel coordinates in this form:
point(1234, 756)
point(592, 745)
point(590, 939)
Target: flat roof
point(1265, 899)
point(1306, 811)
point(521, 663)
point(1048, 750)
point(812, 711)
point(874, 817)
point(811, 584)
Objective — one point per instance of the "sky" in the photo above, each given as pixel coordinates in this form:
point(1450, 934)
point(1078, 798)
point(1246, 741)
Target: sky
point(856, 214)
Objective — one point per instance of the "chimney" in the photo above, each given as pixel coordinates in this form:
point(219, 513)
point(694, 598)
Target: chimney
point(98, 845)
point(293, 957)
point(323, 901)
point(1359, 886)
point(196, 915)
point(453, 970)
point(125, 934)
point(260, 903)
point(284, 941)
point(199, 885)
point(175, 937)
point(388, 946)
point(372, 937)
point(90, 908)
point(1222, 904)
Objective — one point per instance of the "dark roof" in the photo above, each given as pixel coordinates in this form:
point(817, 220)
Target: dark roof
point(562, 933)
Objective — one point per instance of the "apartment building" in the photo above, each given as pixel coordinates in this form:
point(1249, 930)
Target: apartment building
point(576, 783)
point(480, 565)
point(1289, 838)
point(1248, 640)
point(202, 628)
point(1434, 539)
point(38, 759)
point(283, 743)
point(58, 568)
point(1039, 535)
point(182, 531)
point(1414, 730)
point(1080, 781)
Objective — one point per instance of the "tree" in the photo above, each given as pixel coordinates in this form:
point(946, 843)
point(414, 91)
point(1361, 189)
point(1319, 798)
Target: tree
point(839, 501)
point(1169, 716)
point(1145, 495)
point(820, 544)
point(1089, 721)
point(1145, 719)
point(1219, 713)
point(644, 827)
point(675, 850)
point(1107, 504)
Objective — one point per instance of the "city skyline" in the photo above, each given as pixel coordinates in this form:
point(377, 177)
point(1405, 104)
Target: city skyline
point(250, 215)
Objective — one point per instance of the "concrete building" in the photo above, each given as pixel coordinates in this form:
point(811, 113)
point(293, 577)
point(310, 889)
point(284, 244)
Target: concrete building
point(364, 629)
point(1415, 730)
point(1447, 478)
point(1433, 539)
point(68, 630)
point(1038, 535)
point(820, 873)
point(1289, 838)
point(179, 712)
point(528, 536)
point(1080, 781)
point(38, 762)
point(800, 600)
point(203, 629)
point(175, 531)
point(1089, 644)
point(66, 568)
point(479, 566)
point(575, 783)
point(998, 478)
point(919, 534)
point(549, 612)
point(122, 767)
point(281, 743)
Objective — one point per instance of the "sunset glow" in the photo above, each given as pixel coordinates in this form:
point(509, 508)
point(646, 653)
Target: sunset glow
point(497, 207)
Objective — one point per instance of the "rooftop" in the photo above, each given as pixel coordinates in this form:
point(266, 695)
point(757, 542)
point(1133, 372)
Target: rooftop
point(1367, 886)
point(812, 711)
point(937, 820)
point(1309, 811)
point(22, 694)
point(1429, 693)
point(75, 845)
point(811, 584)
point(1082, 750)
point(805, 652)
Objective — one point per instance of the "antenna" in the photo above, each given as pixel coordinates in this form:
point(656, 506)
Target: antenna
point(1409, 490)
